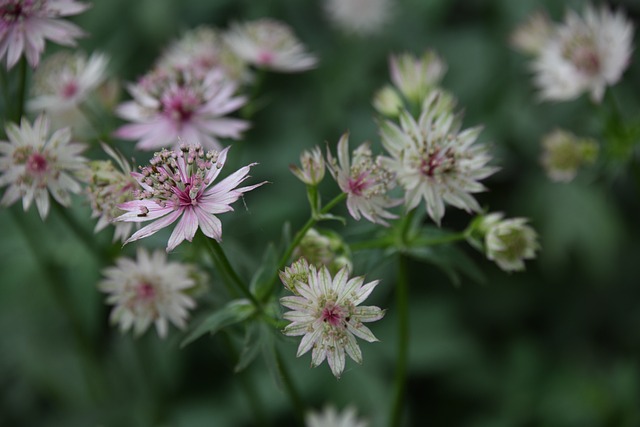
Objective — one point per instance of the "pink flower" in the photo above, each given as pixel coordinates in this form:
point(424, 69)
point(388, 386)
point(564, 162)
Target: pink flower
point(25, 24)
point(169, 104)
point(176, 186)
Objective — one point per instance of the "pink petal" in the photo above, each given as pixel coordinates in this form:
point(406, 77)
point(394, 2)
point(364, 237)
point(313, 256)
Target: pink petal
point(154, 226)
point(209, 224)
point(185, 229)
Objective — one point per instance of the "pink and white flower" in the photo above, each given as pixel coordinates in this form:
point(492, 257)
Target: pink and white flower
point(269, 44)
point(326, 313)
point(173, 104)
point(34, 164)
point(26, 24)
point(176, 186)
point(365, 181)
point(149, 290)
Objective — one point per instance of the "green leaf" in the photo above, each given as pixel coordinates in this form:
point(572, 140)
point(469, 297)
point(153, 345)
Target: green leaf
point(451, 260)
point(251, 345)
point(234, 312)
point(262, 277)
point(328, 217)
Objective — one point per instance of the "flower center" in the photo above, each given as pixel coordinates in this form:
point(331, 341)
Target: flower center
point(333, 314)
point(180, 105)
point(69, 90)
point(37, 164)
point(265, 58)
point(437, 163)
point(145, 292)
point(359, 184)
point(586, 60)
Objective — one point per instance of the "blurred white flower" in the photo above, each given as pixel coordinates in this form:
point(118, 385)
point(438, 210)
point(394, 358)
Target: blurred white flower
point(359, 16)
point(312, 167)
point(387, 102)
point(148, 290)
point(329, 417)
point(35, 163)
point(586, 54)
point(416, 76)
point(269, 44)
point(531, 36)
point(564, 153)
point(508, 242)
point(325, 312)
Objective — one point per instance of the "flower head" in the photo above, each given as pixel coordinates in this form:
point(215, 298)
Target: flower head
point(586, 54)
point(324, 248)
point(176, 185)
point(330, 417)
point(149, 290)
point(531, 36)
point(109, 186)
point(508, 242)
point(312, 167)
point(415, 76)
point(564, 153)
point(360, 17)
point(173, 104)
point(269, 44)
point(435, 161)
point(387, 102)
point(365, 181)
point(34, 164)
point(326, 312)
point(26, 24)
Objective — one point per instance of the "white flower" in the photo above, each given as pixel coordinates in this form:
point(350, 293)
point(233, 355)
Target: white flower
point(531, 36)
point(508, 242)
point(359, 16)
point(416, 77)
point(330, 417)
point(365, 181)
point(586, 54)
point(148, 290)
point(325, 312)
point(269, 44)
point(564, 153)
point(435, 161)
point(34, 164)
point(387, 102)
point(312, 167)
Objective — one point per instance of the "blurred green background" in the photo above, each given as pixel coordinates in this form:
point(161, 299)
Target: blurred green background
point(558, 345)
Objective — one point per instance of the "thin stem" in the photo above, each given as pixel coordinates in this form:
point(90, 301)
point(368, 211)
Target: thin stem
point(81, 233)
point(290, 388)
point(22, 86)
point(402, 304)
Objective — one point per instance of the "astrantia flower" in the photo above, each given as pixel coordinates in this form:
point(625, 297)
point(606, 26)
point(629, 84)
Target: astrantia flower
point(586, 54)
point(358, 16)
point(508, 242)
point(26, 24)
point(324, 248)
point(148, 291)
point(176, 185)
point(330, 417)
point(531, 36)
point(312, 167)
point(415, 77)
point(34, 164)
point(435, 161)
point(108, 187)
point(564, 153)
point(325, 312)
point(365, 181)
point(269, 44)
point(172, 104)
point(387, 102)
point(66, 80)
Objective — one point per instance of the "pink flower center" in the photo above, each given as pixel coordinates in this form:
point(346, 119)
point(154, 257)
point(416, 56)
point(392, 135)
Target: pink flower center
point(69, 90)
point(180, 105)
point(429, 165)
point(145, 291)
point(37, 164)
point(586, 60)
point(437, 163)
point(265, 58)
point(333, 314)
point(359, 184)
point(11, 11)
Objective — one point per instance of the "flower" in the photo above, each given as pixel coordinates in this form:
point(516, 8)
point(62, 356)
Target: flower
point(435, 161)
point(107, 188)
point(358, 16)
point(312, 171)
point(169, 104)
point(365, 181)
point(586, 54)
point(149, 290)
point(269, 44)
point(325, 312)
point(387, 102)
point(26, 24)
point(324, 248)
point(176, 185)
point(330, 417)
point(416, 77)
point(34, 164)
point(564, 153)
point(509, 241)
point(531, 36)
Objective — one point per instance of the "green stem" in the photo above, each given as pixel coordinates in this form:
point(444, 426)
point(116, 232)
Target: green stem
point(22, 86)
point(290, 388)
point(81, 233)
point(402, 301)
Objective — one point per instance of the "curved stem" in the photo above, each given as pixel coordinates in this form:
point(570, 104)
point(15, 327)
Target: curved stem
point(290, 388)
point(402, 301)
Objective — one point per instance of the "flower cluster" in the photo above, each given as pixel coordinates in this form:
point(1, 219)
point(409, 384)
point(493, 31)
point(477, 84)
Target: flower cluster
point(508, 242)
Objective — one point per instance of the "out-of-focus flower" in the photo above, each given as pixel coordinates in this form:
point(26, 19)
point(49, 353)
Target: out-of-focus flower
point(387, 102)
point(26, 24)
point(324, 248)
point(416, 76)
point(296, 272)
point(435, 161)
point(330, 417)
point(326, 312)
point(149, 290)
point(312, 167)
point(200, 50)
point(531, 36)
point(269, 44)
point(358, 16)
point(564, 153)
point(170, 104)
point(365, 181)
point(35, 163)
point(176, 185)
point(109, 186)
point(586, 54)
point(508, 242)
